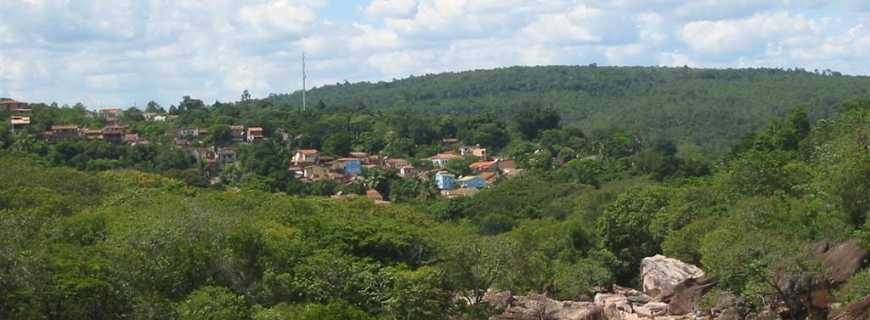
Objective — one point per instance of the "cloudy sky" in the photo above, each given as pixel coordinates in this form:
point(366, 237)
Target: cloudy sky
point(127, 52)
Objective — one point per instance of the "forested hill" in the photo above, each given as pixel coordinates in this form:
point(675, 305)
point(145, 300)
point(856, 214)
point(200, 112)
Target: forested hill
point(706, 107)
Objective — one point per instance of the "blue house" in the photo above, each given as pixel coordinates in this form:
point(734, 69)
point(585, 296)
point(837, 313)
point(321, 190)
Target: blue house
point(351, 166)
point(445, 181)
point(473, 182)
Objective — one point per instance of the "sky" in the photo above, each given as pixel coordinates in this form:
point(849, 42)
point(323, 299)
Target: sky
point(124, 53)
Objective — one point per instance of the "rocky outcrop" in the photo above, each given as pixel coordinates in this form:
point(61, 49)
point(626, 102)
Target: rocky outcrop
point(537, 307)
point(841, 261)
point(661, 274)
point(858, 310)
point(685, 296)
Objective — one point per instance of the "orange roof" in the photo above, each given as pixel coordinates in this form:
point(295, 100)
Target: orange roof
point(9, 101)
point(308, 151)
point(483, 165)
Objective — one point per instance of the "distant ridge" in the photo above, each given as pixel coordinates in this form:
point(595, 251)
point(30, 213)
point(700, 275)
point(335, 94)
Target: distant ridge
point(711, 108)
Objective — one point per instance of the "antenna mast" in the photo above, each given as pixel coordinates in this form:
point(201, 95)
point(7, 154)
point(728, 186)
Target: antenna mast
point(304, 77)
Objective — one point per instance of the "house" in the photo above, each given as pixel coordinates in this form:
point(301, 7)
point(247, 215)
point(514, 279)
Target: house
point(508, 167)
point(227, 155)
point(114, 133)
point(476, 151)
point(440, 160)
point(154, 117)
point(201, 133)
point(315, 172)
point(238, 132)
point(188, 132)
point(489, 177)
point(306, 156)
point(19, 121)
point(445, 180)
point(396, 163)
point(255, 134)
point(110, 115)
point(64, 131)
point(182, 142)
point(472, 182)
point(10, 105)
point(350, 166)
point(484, 166)
point(92, 134)
point(407, 171)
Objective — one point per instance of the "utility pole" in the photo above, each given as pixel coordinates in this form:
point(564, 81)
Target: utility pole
point(304, 77)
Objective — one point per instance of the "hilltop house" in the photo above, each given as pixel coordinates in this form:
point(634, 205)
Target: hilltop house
point(484, 166)
point(110, 115)
point(154, 117)
point(476, 151)
point(472, 182)
point(350, 166)
point(227, 155)
point(238, 132)
point(440, 160)
point(10, 105)
point(91, 134)
point(255, 134)
point(19, 121)
point(407, 171)
point(63, 131)
point(114, 133)
point(306, 157)
point(445, 180)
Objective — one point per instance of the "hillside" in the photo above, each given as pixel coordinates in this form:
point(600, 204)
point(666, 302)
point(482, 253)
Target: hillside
point(710, 108)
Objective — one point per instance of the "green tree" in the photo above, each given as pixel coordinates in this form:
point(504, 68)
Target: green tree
point(213, 303)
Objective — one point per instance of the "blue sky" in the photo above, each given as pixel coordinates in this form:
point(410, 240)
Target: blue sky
point(126, 52)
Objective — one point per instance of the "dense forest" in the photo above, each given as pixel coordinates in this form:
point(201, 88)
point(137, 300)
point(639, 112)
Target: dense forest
point(706, 107)
point(96, 230)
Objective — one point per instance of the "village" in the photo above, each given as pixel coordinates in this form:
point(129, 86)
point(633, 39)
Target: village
point(306, 165)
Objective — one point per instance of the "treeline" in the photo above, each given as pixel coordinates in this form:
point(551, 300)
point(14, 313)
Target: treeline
point(712, 109)
point(125, 244)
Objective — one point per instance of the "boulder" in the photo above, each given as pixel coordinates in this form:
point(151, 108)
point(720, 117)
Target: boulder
point(498, 299)
point(858, 310)
point(652, 309)
point(536, 307)
point(660, 273)
point(843, 260)
point(685, 296)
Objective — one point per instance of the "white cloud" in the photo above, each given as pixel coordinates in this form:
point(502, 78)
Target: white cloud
point(391, 8)
point(748, 35)
point(124, 52)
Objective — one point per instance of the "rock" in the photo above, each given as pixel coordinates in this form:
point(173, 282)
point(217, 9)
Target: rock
point(498, 299)
point(652, 309)
point(684, 297)
point(617, 301)
point(536, 307)
point(660, 273)
point(858, 310)
point(844, 260)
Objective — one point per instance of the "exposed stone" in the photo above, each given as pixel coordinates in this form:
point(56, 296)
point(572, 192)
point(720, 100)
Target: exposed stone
point(660, 273)
point(684, 297)
point(536, 307)
point(844, 260)
point(858, 310)
point(652, 309)
point(498, 299)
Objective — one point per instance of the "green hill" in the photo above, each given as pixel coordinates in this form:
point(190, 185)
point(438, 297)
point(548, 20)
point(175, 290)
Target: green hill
point(706, 107)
